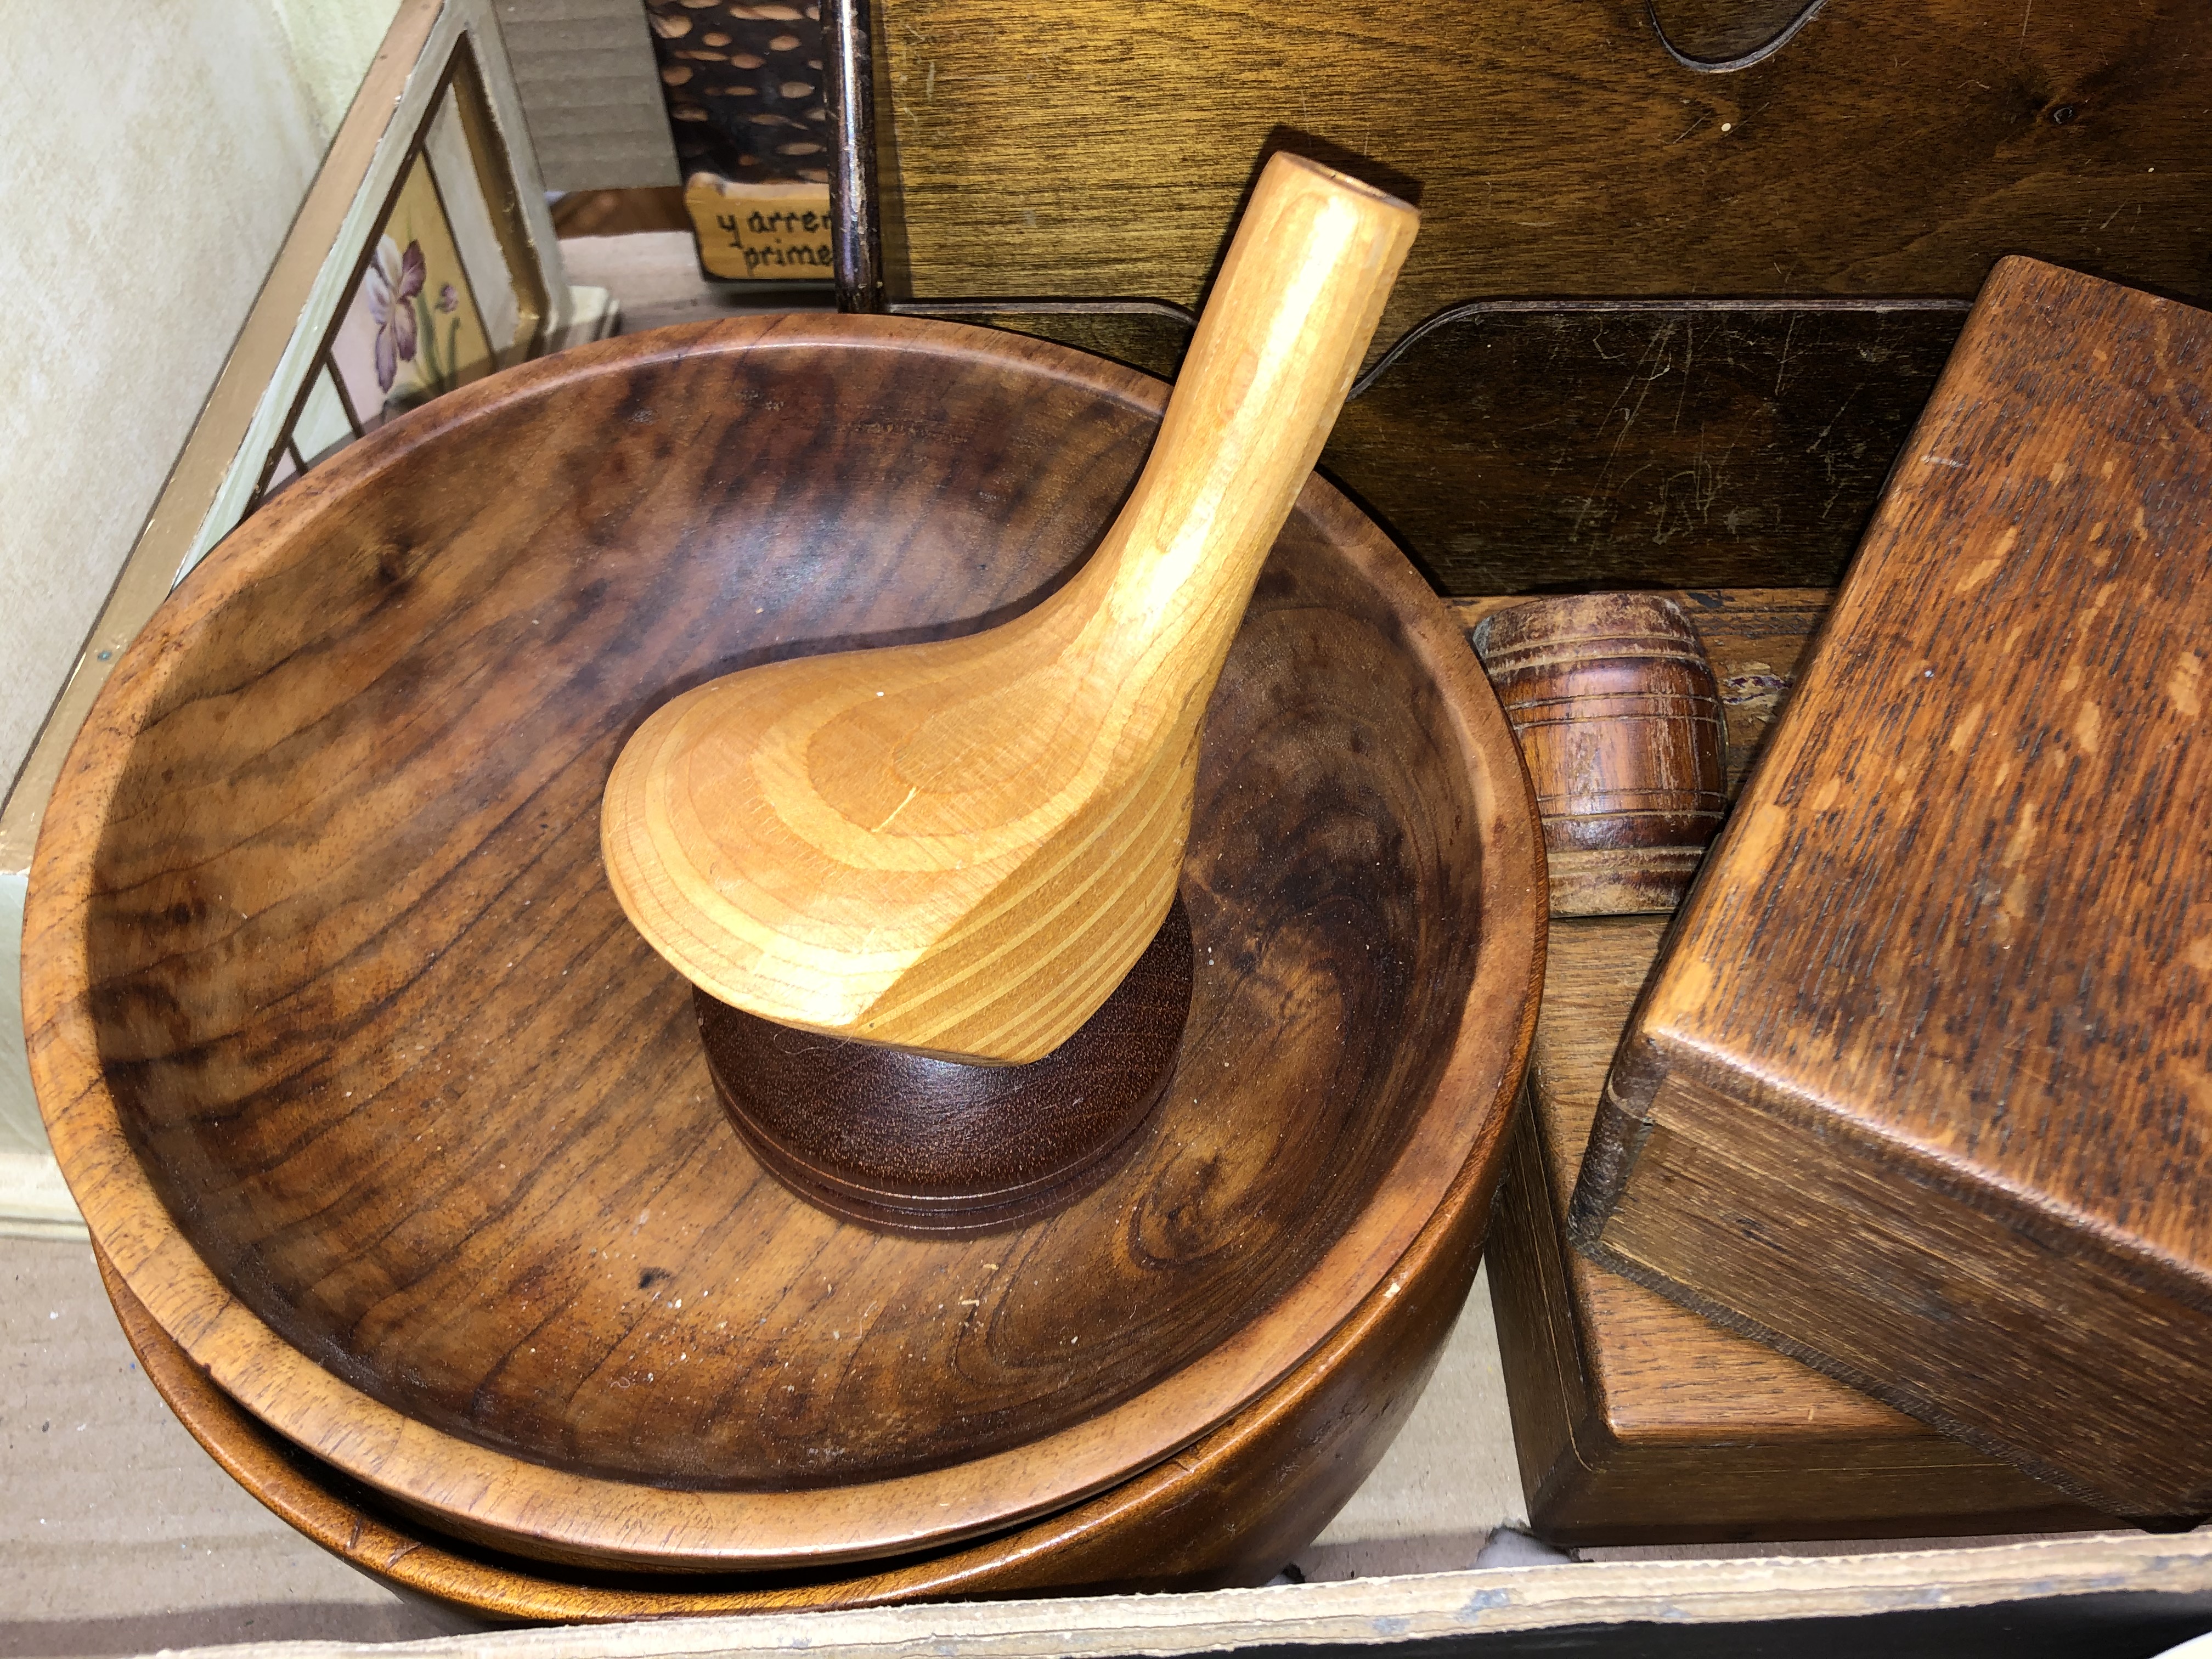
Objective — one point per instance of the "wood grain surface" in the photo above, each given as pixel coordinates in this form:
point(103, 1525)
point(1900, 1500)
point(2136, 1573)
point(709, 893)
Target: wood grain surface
point(391, 1120)
point(1634, 1421)
point(1229, 1508)
point(1612, 700)
point(1561, 156)
point(1920, 1089)
point(1517, 446)
point(1756, 640)
point(1638, 1422)
point(1088, 147)
point(1555, 449)
point(960, 847)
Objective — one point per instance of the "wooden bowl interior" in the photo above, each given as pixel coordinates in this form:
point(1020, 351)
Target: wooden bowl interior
point(406, 1080)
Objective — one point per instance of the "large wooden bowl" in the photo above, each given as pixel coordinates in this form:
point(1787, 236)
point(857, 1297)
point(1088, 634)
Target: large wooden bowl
point(1229, 1508)
point(390, 1120)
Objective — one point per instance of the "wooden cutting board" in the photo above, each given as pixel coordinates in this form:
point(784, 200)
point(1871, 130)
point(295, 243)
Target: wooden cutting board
point(1634, 1421)
point(1920, 1090)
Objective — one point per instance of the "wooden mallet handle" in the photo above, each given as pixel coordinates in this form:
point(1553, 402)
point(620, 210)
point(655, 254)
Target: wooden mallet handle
point(1285, 329)
point(961, 847)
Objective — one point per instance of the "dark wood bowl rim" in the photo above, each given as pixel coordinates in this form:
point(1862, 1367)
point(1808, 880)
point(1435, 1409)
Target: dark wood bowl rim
point(582, 1517)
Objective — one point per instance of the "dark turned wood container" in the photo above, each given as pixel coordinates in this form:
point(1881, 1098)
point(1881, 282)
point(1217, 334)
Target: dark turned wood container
point(914, 1143)
point(391, 1123)
point(1618, 717)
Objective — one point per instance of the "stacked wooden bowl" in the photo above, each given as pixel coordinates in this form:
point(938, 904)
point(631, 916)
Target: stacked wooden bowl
point(398, 1142)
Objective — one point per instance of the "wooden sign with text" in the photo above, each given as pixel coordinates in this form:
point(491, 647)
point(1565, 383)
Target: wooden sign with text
point(771, 233)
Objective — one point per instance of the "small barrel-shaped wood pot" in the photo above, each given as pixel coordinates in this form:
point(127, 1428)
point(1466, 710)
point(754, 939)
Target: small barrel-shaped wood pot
point(1614, 701)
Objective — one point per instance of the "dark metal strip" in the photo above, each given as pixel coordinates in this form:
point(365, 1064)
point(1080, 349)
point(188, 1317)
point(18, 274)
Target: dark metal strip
point(1729, 65)
point(856, 236)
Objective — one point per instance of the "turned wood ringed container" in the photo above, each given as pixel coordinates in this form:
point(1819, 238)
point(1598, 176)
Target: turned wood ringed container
point(1614, 701)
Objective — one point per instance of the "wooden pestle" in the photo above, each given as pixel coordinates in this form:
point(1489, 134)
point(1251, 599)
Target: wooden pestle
point(961, 847)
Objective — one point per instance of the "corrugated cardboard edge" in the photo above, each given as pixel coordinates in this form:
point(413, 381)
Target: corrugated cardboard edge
point(1375, 1611)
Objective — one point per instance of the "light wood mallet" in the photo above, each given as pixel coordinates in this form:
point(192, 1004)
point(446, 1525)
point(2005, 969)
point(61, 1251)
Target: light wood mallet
point(961, 847)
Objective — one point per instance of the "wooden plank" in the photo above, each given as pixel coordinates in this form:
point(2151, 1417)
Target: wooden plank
point(1080, 150)
point(1517, 448)
point(1098, 147)
point(1558, 449)
point(2037, 1598)
point(1922, 1089)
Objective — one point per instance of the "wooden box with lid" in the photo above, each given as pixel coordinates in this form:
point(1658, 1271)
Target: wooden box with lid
point(1920, 1088)
point(1635, 1419)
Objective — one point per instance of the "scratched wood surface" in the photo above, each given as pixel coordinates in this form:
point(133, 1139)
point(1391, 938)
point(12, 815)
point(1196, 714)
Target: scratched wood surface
point(1566, 450)
point(1527, 451)
point(1082, 148)
point(1921, 1090)
point(1098, 147)
point(385, 1113)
